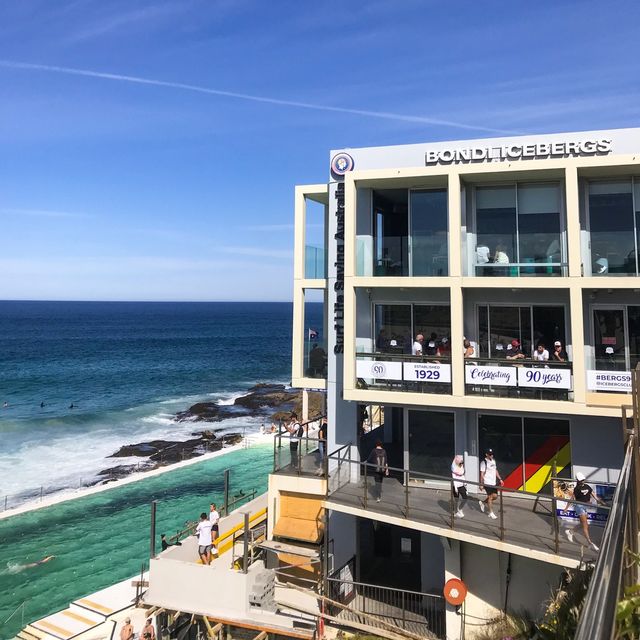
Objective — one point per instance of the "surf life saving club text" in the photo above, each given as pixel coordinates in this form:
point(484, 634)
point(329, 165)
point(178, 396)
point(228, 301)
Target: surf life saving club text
point(338, 287)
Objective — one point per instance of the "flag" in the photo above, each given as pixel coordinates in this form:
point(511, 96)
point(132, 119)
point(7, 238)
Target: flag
point(313, 334)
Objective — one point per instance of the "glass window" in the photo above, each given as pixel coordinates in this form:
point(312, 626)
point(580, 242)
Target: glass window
point(391, 224)
point(315, 336)
point(610, 343)
point(315, 260)
point(539, 227)
point(393, 328)
point(611, 224)
point(429, 233)
point(503, 434)
point(434, 323)
point(546, 447)
point(495, 228)
point(431, 442)
point(529, 325)
point(633, 314)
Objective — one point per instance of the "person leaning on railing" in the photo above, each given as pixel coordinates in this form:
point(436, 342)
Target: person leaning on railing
point(559, 354)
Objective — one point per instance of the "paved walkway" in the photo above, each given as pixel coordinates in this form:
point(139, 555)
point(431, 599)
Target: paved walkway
point(528, 523)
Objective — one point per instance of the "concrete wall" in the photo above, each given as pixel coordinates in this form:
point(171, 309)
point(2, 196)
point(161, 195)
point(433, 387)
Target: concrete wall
point(484, 571)
point(342, 537)
point(432, 561)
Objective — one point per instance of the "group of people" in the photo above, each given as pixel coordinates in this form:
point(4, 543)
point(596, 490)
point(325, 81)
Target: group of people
point(297, 431)
point(208, 531)
point(148, 632)
point(581, 496)
point(540, 354)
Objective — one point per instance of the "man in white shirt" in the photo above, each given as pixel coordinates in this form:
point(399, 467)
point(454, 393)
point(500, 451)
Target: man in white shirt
point(489, 479)
point(416, 350)
point(203, 531)
point(214, 519)
point(541, 354)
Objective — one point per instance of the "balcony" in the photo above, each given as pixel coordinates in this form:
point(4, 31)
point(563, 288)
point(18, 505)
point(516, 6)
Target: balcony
point(403, 372)
point(500, 378)
point(299, 456)
point(527, 524)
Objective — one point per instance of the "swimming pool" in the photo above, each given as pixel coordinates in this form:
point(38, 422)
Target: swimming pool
point(104, 538)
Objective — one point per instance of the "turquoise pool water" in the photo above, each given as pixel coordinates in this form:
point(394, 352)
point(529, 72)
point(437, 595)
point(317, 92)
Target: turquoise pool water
point(102, 539)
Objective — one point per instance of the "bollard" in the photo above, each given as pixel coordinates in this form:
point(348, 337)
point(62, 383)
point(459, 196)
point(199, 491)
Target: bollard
point(152, 541)
point(226, 491)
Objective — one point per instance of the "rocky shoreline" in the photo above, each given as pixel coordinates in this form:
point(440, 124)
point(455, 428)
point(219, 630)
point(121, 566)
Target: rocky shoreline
point(273, 402)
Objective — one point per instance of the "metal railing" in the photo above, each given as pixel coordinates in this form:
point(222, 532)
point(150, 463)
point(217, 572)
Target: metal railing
point(522, 516)
point(299, 455)
point(411, 610)
point(611, 574)
point(517, 269)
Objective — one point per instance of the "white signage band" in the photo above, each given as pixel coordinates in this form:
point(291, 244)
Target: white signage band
point(609, 381)
point(544, 378)
point(427, 372)
point(487, 375)
point(378, 369)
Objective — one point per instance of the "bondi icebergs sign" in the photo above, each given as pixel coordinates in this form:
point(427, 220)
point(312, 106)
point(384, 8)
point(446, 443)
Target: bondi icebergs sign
point(519, 151)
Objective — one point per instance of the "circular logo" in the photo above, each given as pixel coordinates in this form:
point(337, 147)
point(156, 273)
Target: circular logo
point(378, 369)
point(341, 163)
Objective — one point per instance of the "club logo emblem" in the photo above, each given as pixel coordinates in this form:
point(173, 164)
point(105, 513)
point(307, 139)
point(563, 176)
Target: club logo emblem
point(341, 163)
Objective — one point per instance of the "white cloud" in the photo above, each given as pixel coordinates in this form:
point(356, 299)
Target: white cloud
point(387, 115)
point(43, 213)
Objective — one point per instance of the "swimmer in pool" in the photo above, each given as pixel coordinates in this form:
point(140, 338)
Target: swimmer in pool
point(35, 564)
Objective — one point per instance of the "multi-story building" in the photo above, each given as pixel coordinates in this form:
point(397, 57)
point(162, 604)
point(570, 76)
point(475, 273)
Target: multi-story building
point(516, 261)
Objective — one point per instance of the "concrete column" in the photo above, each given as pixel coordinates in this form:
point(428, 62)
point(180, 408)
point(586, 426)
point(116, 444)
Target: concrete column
point(305, 405)
point(455, 221)
point(573, 221)
point(577, 341)
point(452, 569)
point(457, 335)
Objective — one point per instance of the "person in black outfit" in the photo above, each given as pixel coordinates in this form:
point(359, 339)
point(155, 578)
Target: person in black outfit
point(378, 459)
point(583, 494)
point(296, 431)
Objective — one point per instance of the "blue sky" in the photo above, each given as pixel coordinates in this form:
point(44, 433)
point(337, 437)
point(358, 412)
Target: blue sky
point(113, 189)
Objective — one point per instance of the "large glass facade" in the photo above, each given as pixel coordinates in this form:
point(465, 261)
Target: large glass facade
point(613, 227)
point(616, 337)
point(315, 334)
point(315, 256)
point(431, 442)
point(530, 325)
point(429, 232)
point(528, 451)
point(397, 325)
point(519, 230)
point(410, 230)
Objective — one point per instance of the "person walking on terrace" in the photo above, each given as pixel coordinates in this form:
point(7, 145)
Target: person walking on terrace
point(378, 459)
point(203, 531)
point(584, 495)
point(214, 519)
point(490, 480)
point(296, 431)
point(459, 486)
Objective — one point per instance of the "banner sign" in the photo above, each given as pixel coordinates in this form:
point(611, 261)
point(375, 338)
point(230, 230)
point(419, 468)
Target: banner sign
point(380, 370)
point(544, 378)
point(494, 376)
point(609, 381)
point(427, 372)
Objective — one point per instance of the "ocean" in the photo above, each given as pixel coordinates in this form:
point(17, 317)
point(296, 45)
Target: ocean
point(127, 368)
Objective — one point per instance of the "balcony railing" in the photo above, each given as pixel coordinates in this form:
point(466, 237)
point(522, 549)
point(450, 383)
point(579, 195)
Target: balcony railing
point(530, 268)
point(299, 455)
point(523, 378)
point(523, 518)
point(403, 372)
point(388, 608)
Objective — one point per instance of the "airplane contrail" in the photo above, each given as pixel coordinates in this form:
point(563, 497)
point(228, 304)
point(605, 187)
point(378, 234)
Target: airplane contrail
point(11, 64)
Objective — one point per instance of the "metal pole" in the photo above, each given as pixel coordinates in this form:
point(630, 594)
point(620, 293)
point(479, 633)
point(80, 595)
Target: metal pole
point(451, 506)
point(41, 493)
point(245, 560)
point(365, 485)
point(406, 495)
point(152, 541)
point(501, 516)
point(226, 491)
point(554, 508)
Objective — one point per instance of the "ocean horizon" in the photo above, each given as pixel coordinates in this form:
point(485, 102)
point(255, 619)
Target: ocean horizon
point(81, 379)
